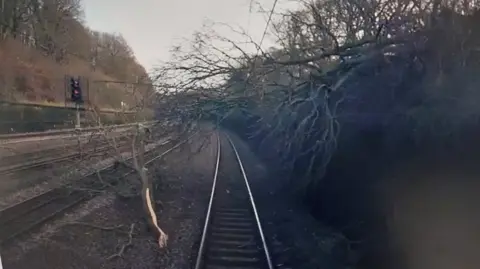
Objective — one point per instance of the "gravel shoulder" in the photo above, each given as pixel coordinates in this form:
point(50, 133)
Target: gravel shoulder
point(89, 235)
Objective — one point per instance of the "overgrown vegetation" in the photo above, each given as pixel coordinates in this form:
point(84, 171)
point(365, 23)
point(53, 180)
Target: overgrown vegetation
point(350, 86)
point(42, 41)
point(340, 65)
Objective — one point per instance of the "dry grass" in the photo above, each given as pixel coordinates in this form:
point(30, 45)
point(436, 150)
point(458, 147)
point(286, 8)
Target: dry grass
point(28, 76)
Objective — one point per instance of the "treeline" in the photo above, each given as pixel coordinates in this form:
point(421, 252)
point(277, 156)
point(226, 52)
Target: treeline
point(55, 28)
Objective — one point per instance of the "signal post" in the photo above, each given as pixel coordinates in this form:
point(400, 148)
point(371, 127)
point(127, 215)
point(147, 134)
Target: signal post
point(76, 97)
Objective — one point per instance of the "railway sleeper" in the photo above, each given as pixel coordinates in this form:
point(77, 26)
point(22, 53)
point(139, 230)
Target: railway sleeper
point(239, 255)
point(230, 267)
point(233, 243)
point(236, 251)
point(232, 217)
point(239, 230)
point(233, 210)
point(232, 213)
point(235, 205)
point(231, 224)
point(232, 236)
point(234, 260)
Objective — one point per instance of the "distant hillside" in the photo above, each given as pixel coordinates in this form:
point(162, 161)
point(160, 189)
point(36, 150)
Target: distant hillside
point(42, 41)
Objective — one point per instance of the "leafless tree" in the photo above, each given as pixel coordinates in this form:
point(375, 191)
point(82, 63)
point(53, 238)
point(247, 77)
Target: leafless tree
point(56, 28)
point(296, 96)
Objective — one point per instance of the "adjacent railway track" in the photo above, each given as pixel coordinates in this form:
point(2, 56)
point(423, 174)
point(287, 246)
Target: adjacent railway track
point(54, 156)
point(72, 132)
point(29, 214)
point(232, 235)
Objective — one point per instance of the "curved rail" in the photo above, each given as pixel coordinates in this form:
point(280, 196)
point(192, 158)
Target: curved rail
point(209, 209)
point(254, 207)
point(238, 219)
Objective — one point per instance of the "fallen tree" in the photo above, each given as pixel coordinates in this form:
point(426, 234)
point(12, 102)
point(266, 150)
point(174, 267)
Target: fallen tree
point(351, 86)
point(303, 93)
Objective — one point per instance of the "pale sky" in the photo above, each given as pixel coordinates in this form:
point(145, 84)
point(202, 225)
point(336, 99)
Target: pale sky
point(152, 27)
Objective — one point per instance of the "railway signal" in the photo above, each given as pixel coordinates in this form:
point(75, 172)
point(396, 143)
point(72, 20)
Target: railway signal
point(76, 97)
point(76, 91)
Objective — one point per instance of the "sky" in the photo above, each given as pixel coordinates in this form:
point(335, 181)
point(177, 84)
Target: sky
point(152, 27)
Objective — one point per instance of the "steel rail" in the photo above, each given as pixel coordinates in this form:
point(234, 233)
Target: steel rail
point(172, 148)
point(80, 198)
point(105, 167)
point(200, 259)
point(72, 131)
point(254, 207)
point(209, 209)
point(45, 198)
point(90, 173)
point(48, 161)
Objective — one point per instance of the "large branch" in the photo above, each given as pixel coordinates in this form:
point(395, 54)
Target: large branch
point(343, 50)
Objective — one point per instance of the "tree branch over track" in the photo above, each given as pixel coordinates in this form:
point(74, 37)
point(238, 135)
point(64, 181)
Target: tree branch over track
point(336, 67)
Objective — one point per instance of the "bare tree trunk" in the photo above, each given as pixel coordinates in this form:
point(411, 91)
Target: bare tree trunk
point(148, 199)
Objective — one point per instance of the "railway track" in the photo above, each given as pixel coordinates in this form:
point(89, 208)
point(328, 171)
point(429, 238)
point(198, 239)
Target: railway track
point(92, 144)
point(36, 152)
point(29, 214)
point(232, 236)
point(15, 164)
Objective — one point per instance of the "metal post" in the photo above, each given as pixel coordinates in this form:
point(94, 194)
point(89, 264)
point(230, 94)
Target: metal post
point(77, 124)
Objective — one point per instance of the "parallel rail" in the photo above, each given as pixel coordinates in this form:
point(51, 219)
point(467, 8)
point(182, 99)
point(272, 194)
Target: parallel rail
point(26, 215)
point(37, 162)
point(68, 131)
point(29, 160)
point(29, 214)
point(232, 235)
